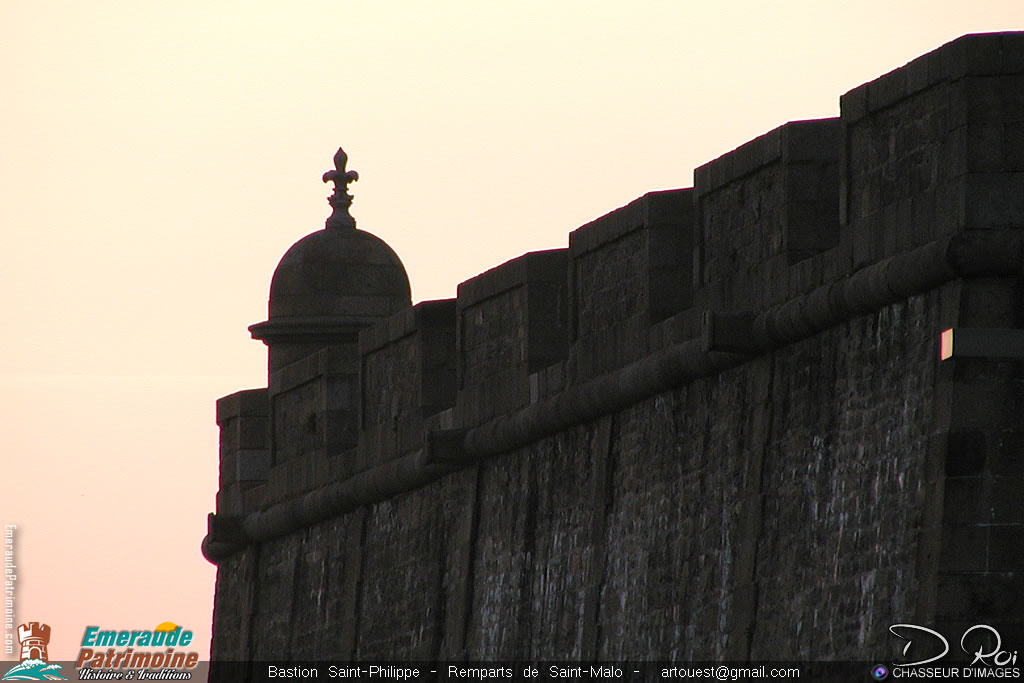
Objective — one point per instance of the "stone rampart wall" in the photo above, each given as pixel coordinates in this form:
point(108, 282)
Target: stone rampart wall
point(715, 427)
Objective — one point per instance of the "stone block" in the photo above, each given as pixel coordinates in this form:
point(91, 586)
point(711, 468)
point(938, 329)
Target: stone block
point(937, 133)
point(511, 322)
point(966, 453)
point(806, 275)
point(252, 432)
point(918, 75)
point(964, 549)
point(407, 373)
point(966, 501)
point(993, 99)
point(887, 90)
point(243, 421)
point(313, 416)
point(1008, 453)
point(629, 270)
point(986, 152)
point(981, 54)
point(995, 200)
point(1007, 547)
point(229, 499)
point(247, 403)
point(1007, 503)
point(853, 105)
point(731, 332)
point(780, 195)
point(988, 595)
point(253, 465)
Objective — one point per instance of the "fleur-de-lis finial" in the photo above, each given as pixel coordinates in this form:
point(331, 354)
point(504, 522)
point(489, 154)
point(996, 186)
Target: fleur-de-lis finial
point(341, 199)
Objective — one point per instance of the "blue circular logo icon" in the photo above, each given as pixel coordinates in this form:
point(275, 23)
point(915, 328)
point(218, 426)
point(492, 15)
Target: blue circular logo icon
point(879, 673)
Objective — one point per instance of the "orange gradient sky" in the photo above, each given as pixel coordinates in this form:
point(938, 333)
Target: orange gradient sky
point(159, 158)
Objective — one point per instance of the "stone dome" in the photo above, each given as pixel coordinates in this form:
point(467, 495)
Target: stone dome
point(339, 273)
point(331, 283)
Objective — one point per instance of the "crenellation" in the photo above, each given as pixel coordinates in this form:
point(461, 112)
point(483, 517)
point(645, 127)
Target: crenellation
point(313, 415)
point(768, 205)
point(723, 422)
point(511, 322)
point(407, 373)
point(244, 447)
point(628, 270)
point(929, 148)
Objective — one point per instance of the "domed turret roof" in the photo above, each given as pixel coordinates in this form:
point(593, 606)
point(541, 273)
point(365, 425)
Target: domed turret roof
point(336, 280)
point(338, 272)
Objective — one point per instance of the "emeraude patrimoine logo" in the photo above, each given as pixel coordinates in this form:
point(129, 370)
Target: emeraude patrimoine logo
point(34, 665)
point(98, 649)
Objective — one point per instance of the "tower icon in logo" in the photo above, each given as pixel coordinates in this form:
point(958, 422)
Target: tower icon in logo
point(34, 666)
point(34, 638)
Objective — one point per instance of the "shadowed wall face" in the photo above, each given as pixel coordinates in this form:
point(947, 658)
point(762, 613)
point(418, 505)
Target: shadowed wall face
point(802, 473)
point(723, 426)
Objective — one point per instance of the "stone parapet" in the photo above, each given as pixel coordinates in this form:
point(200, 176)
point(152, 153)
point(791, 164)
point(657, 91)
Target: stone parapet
point(313, 416)
point(761, 209)
point(935, 147)
point(785, 234)
point(407, 371)
point(629, 269)
point(244, 449)
point(511, 322)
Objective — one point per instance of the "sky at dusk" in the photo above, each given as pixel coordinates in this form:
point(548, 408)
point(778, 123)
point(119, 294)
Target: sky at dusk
point(158, 158)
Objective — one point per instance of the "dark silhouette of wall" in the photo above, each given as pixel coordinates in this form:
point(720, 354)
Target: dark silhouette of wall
point(717, 426)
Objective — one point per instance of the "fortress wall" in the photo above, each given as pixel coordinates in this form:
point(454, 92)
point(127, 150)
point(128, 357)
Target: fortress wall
point(676, 508)
point(847, 475)
point(819, 475)
point(979, 559)
point(233, 604)
point(748, 514)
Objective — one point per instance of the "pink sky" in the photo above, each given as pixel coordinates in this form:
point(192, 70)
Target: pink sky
point(160, 157)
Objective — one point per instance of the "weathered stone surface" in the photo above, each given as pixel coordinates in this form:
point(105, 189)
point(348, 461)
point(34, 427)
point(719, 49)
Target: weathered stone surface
point(629, 269)
point(844, 484)
point(511, 322)
point(244, 447)
point(408, 372)
point(817, 475)
point(764, 209)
